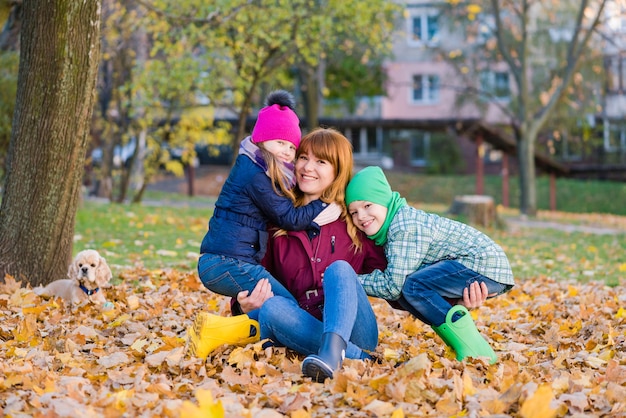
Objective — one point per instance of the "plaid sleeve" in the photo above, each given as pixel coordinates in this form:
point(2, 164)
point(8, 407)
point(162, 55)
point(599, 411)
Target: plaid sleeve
point(406, 246)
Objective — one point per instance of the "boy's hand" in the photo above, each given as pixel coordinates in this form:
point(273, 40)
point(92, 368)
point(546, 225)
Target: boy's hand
point(261, 292)
point(474, 295)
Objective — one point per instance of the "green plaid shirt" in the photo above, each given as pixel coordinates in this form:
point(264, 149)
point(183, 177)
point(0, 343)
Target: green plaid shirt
point(416, 238)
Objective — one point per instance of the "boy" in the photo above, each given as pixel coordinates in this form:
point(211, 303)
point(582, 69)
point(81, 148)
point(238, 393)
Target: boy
point(431, 260)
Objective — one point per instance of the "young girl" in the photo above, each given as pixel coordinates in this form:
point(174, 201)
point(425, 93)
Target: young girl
point(430, 260)
point(257, 191)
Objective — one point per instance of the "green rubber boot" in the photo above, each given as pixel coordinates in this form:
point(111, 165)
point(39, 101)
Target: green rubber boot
point(463, 336)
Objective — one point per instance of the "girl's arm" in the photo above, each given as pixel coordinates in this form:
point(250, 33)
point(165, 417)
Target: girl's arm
point(280, 210)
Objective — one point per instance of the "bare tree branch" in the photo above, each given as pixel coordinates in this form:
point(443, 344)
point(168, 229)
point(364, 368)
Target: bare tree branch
point(574, 55)
point(215, 17)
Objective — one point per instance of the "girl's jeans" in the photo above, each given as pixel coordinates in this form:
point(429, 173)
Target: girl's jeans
point(347, 312)
point(228, 276)
point(426, 292)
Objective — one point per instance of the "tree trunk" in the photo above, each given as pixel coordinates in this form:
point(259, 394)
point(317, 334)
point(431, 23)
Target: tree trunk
point(309, 89)
point(60, 49)
point(526, 157)
point(477, 209)
point(241, 131)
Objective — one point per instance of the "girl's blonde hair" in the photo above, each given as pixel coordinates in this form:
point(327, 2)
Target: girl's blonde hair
point(276, 174)
point(330, 145)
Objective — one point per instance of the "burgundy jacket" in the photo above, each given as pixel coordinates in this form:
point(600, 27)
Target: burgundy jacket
point(299, 262)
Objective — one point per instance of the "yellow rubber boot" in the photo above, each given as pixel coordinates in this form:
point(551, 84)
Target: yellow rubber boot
point(209, 331)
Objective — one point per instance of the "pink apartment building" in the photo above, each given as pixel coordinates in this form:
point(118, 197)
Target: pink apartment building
point(423, 103)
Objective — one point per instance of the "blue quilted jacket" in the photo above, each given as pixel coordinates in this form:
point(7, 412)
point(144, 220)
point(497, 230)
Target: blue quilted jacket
point(247, 202)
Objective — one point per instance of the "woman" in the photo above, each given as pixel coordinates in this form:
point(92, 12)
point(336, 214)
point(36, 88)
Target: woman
point(300, 261)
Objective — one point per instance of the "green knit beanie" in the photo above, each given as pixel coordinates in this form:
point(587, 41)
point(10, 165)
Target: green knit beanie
point(369, 184)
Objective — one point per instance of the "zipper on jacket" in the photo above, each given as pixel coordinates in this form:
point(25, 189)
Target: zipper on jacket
point(332, 244)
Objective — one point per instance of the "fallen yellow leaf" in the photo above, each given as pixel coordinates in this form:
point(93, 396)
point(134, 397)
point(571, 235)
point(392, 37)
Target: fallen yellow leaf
point(538, 405)
point(119, 321)
point(398, 413)
point(300, 413)
point(572, 291)
point(207, 407)
point(468, 385)
point(390, 354)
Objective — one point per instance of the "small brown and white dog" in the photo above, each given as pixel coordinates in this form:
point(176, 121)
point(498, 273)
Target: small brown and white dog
point(87, 273)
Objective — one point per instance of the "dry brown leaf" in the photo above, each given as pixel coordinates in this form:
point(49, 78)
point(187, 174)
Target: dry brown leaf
point(134, 363)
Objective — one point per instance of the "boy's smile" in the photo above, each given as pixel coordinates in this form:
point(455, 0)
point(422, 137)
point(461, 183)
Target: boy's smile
point(367, 216)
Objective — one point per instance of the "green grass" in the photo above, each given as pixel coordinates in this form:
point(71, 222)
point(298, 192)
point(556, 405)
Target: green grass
point(140, 235)
point(560, 255)
point(576, 196)
point(162, 237)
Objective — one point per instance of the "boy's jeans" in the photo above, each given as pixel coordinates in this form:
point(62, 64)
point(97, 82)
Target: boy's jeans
point(347, 312)
point(426, 291)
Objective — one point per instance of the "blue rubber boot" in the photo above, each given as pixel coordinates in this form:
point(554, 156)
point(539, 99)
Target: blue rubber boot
point(329, 358)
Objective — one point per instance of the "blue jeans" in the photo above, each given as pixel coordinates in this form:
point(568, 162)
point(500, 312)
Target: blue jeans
point(228, 276)
point(426, 292)
point(347, 312)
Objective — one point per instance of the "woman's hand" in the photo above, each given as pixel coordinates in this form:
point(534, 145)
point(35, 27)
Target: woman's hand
point(474, 295)
point(261, 292)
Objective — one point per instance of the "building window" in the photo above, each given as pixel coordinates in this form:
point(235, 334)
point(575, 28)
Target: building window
point(616, 14)
point(425, 88)
point(420, 145)
point(486, 28)
point(423, 27)
point(616, 69)
point(495, 84)
point(366, 141)
point(615, 141)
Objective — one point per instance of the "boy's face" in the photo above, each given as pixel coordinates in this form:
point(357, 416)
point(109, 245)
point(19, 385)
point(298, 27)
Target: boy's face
point(367, 216)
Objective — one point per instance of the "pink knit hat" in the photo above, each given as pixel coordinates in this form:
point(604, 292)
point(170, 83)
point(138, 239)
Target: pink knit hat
point(278, 120)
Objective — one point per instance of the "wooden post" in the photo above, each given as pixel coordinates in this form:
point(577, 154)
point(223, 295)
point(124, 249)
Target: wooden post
point(191, 175)
point(552, 192)
point(505, 179)
point(480, 153)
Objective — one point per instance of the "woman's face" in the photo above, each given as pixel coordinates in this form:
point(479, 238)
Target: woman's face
point(314, 175)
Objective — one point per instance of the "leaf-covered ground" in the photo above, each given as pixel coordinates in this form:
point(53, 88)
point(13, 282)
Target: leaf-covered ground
point(562, 350)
